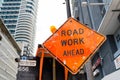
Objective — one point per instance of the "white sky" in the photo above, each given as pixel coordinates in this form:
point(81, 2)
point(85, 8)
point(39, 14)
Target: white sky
point(50, 12)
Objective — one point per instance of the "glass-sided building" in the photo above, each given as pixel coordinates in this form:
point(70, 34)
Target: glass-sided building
point(19, 16)
point(106, 20)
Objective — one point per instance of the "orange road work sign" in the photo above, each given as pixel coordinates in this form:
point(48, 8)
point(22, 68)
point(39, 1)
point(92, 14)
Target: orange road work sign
point(73, 44)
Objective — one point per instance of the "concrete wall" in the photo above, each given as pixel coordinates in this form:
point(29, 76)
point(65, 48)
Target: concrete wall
point(113, 76)
point(8, 52)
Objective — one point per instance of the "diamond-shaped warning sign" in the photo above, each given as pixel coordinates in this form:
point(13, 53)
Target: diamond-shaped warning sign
point(73, 44)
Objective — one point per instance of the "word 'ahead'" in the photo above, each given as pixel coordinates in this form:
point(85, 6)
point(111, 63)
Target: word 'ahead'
point(73, 44)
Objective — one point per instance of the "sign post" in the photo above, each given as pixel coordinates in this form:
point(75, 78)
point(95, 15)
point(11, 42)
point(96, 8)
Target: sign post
point(73, 44)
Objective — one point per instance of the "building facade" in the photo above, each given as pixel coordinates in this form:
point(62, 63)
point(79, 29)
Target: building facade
point(9, 51)
point(19, 16)
point(104, 18)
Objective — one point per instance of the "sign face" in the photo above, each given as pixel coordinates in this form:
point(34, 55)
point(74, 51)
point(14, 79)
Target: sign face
point(27, 63)
point(73, 44)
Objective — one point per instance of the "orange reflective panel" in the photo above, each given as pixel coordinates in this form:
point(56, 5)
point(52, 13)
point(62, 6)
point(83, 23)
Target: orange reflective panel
point(73, 44)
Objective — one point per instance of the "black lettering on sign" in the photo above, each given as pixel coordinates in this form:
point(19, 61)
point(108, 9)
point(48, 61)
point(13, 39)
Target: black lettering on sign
point(73, 52)
point(70, 42)
point(72, 32)
point(69, 32)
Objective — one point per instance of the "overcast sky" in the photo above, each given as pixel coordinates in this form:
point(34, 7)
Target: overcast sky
point(50, 12)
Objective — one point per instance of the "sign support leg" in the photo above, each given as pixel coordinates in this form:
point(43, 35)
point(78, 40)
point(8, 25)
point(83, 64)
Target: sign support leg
point(54, 70)
point(41, 65)
point(66, 73)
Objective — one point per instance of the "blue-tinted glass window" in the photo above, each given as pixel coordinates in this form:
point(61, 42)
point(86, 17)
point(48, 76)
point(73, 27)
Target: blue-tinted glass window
point(9, 17)
point(10, 8)
point(9, 12)
point(12, 31)
point(30, 3)
point(11, 26)
point(10, 4)
point(10, 21)
point(30, 7)
point(29, 11)
point(23, 32)
point(32, 0)
point(11, 0)
point(22, 40)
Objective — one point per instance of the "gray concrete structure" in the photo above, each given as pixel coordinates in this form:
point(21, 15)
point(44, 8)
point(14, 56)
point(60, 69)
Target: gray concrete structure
point(9, 51)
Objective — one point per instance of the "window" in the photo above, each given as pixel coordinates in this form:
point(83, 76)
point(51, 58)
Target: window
point(10, 21)
point(10, 8)
point(117, 38)
point(11, 4)
point(12, 31)
point(30, 7)
point(117, 41)
point(30, 3)
point(9, 17)
point(32, 0)
point(29, 11)
point(11, 26)
point(9, 12)
point(22, 41)
point(11, 0)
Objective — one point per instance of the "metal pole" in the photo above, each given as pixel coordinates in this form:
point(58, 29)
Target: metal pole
point(66, 73)
point(88, 65)
point(54, 70)
point(41, 64)
point(68, 8)
point(91, 17)
point(68, 15)
point(88, 68)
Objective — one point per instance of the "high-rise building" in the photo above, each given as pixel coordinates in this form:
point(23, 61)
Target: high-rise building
point(104, 17)
point(19, 16)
